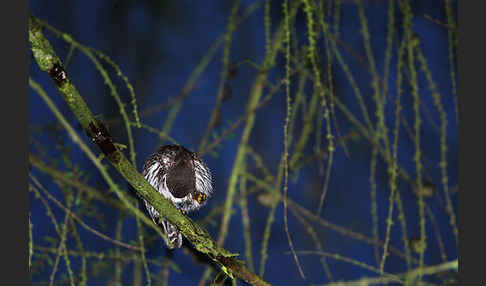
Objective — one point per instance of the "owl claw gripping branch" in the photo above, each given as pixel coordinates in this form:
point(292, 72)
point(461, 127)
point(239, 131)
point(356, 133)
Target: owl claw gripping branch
point(181, 177)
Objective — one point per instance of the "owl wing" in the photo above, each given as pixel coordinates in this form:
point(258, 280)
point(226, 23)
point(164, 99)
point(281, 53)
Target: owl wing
point(154, 172)
point(154, 215)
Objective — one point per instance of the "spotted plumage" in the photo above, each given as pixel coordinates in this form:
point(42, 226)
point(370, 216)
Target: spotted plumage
point(180, 176)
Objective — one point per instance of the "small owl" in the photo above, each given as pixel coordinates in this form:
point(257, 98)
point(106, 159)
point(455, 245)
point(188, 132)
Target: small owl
point(181, 177)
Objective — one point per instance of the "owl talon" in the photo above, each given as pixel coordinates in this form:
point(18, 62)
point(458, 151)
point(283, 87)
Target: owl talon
point(200, 197)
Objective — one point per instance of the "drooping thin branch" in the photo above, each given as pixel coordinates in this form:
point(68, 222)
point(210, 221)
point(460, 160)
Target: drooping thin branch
point(319, 88)
point(50, 214)
point(254, 98)
point(429, 270)
point(31, 243)
point(63, 177)
point(313, 234)
point(452, 45)
point(118, 264)
point(245, 219)
point(78, 220)
point(327, 224)
point(288, 112)
point(84, 277)
point(443, 140)
point(411, 45)
point(363, 265)
point(392, 168)
point(374, 203)
point(125, 256)
point(175, 108)
point(224, 72)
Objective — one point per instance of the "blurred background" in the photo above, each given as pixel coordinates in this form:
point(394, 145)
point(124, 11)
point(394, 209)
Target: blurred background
point(193, 76)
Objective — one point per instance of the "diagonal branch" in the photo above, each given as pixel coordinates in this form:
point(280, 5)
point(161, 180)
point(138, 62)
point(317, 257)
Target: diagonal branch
point(49, 62)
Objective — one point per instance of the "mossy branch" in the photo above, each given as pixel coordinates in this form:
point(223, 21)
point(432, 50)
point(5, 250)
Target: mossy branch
point(49, 62)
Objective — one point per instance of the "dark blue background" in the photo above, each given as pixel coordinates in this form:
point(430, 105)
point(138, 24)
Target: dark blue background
point(157, 45)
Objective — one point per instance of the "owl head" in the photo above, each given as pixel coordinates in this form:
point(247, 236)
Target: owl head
point(179, 175)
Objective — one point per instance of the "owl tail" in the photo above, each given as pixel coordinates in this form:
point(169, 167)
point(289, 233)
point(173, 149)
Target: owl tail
point(173, 234)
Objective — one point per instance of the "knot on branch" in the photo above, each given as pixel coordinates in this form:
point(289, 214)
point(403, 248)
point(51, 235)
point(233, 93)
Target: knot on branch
point(99, 134)
point(58, 74)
